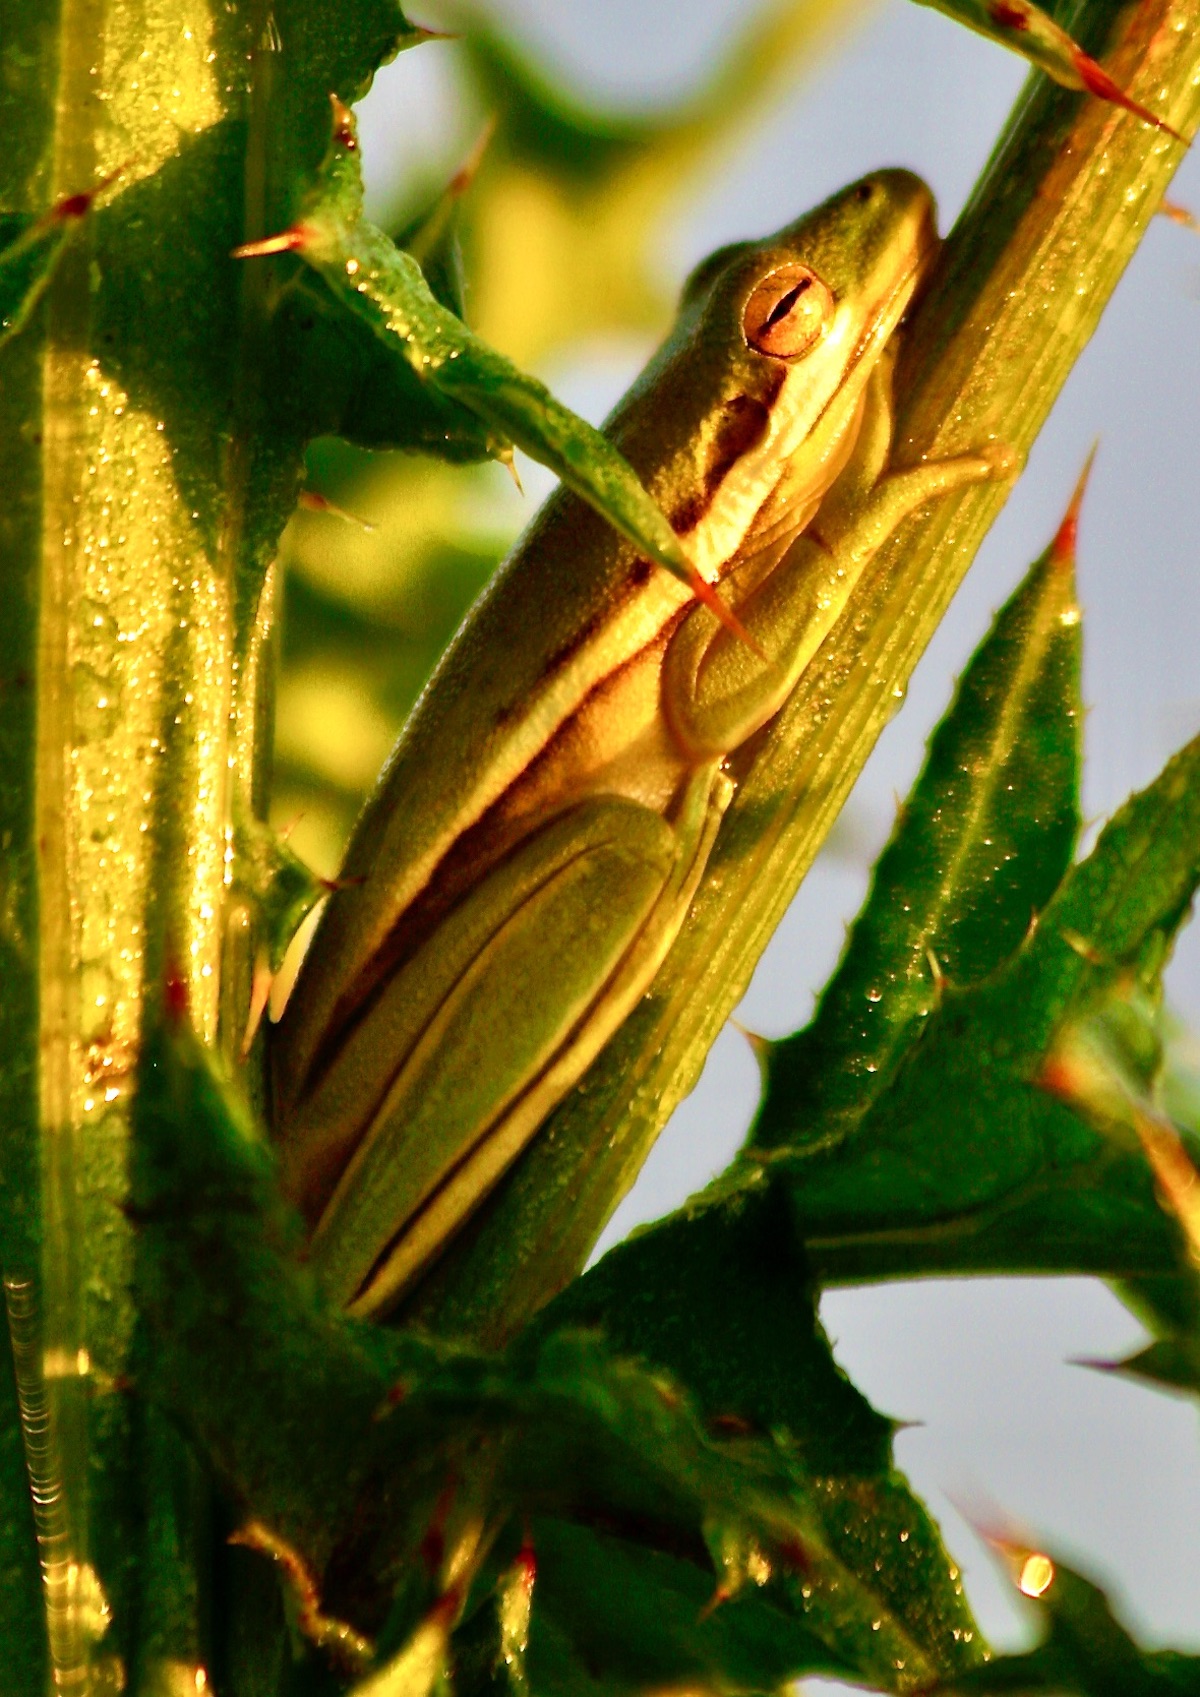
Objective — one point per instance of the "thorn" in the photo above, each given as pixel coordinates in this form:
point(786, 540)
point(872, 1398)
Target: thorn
point(462, 179)
point(722, 1594)
point(1062, 549)
point(1096, 80)
point(260, 995)
point(760, 1046)
point(527, 1559)
point(1095, 1364)
point(332, 885)
point(287, 241)
point(345, 129)
point(1018, 16)
point(706, 593)
point(396, 1394)
point(730, 1426)
point(935, 967)
point(315, 503)
point(78, 205)
point(424, 33)
point(1179, 214)
point(1058, 1076)
point(508, 461)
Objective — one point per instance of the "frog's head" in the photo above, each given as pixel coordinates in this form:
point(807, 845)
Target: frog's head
point(759, 387)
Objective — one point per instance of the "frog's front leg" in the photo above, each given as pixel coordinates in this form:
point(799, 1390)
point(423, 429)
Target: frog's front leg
point(485, 1028)
point(716, 690)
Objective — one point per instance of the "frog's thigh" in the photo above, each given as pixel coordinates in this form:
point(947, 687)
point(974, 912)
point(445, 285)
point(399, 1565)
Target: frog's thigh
point(520, 912)
point(716, 690)
point(598, 897)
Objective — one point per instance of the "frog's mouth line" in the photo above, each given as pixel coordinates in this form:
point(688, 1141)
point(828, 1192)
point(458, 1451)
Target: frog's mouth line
point(909, 286)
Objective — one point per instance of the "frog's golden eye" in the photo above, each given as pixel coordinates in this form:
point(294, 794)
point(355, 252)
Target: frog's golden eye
point(787, 312)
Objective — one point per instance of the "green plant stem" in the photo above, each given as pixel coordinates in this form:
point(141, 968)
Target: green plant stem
point(118, 826)
point(1022, 282)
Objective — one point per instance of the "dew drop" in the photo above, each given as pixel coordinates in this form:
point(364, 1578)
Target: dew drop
point(96, 706)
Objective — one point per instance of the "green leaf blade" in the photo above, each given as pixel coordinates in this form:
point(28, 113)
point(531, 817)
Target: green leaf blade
point(383, 287)
point(979, 847)
point(966, 1163)
point(719, 1296)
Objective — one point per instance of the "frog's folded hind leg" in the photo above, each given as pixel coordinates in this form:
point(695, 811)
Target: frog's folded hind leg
point(717, 691)
point(523, 985)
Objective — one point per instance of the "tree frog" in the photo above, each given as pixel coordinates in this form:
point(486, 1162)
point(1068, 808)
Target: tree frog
point(541, 827)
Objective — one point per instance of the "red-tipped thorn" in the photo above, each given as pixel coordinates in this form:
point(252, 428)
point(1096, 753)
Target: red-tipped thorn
point(73, 206)
point(287, 241)
point(705, 592)
point(721, 1595)
point(1179, 214)
point(427, 34)
point(760, 1046)
point(1097, 81)
point(314, 503)
point(462, 179)
point(333, 885)
point(1062, 549)
point(527, 1560)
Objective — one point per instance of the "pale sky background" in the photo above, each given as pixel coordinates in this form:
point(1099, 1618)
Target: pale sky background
point(1100, 1470)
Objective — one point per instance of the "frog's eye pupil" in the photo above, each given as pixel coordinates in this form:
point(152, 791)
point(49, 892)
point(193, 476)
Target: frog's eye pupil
point(786, 303)
point(787, 312)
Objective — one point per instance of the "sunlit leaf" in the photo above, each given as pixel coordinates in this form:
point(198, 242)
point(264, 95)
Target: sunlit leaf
point(967, 1162)
point(377, 283)
point(978, 849)
point(1033, 33)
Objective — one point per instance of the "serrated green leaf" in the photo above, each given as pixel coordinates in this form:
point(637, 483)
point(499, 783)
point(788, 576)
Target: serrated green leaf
point(1085, 1652)
point(608, 1614)
point(966, 1162)
point(382, 286)
point(341, 1438)
point(718, 1294)
point(1028, 30)
point(979, 848)
point(217, 1284)
point(332, 376)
